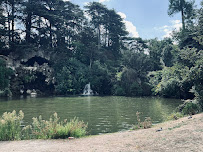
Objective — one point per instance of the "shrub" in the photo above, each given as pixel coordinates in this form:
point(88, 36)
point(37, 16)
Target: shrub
point(118, 90)
point(10, 125)
point(190, 108)
point(175, 116)
point(12, 129)
point(198, 92)
point(74, 128)
point(147, 123)
point(5, 74)
point(53, 129)
point(6, 93)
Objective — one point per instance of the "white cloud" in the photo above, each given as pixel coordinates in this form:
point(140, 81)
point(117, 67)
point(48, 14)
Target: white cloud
point(129, 25)
point(131, 28)
point(123, 16)
point(102, 1)
point(85, 3)
point(175, 25)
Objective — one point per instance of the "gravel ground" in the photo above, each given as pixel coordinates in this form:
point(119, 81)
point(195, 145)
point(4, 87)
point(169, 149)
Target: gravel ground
point(183, 135)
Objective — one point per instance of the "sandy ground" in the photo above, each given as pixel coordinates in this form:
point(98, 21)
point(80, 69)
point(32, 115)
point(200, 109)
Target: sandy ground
point(183, 135)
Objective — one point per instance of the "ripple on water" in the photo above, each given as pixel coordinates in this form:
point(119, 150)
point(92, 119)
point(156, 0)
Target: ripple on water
point(103, 114)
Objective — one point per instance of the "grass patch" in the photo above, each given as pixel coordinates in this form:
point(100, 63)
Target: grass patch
point(11, 127)
point(177, 126)
point(175, 116)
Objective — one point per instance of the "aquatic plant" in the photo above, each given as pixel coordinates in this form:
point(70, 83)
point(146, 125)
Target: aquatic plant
point(11, 127)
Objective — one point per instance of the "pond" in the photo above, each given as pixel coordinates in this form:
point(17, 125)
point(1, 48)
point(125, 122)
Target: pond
point(103, 114)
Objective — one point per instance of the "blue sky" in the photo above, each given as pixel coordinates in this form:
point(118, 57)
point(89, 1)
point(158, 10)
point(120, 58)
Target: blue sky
point(144, 18)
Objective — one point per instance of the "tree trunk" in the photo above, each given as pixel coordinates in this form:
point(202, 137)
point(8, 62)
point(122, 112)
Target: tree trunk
point(28, 27)
point(183, 19)
point(99, 38)
point(9, 28)
point(12, 23)
point(106, 37)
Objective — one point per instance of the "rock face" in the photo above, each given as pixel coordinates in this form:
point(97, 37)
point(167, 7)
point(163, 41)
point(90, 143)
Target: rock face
point(32, 71)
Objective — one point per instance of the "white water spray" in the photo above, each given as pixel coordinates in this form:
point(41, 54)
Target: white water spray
point(87, 90)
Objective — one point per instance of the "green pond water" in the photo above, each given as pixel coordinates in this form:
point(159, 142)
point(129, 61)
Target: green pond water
point(103, 114)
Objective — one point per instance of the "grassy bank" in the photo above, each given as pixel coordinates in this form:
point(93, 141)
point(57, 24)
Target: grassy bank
point(179, 135)
point(11, 127)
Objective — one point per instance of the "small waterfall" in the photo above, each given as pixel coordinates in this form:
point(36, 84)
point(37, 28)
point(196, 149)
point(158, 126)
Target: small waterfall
point(87, 90)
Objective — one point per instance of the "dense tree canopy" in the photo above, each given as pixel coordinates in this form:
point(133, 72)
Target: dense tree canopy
point(91, 45)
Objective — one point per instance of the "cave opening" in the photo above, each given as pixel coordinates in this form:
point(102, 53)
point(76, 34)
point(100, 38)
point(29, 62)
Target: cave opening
point(36, 59)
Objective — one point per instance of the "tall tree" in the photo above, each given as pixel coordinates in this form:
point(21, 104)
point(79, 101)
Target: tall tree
point(96, 11)
point(11, 10)
point(185, 7)
point(109, 28)
point(2, 28)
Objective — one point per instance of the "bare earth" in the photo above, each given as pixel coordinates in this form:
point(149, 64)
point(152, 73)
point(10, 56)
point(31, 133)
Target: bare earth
point(183, 135)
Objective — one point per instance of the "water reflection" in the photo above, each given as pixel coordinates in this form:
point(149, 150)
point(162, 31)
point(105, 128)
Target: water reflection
point(103, 114)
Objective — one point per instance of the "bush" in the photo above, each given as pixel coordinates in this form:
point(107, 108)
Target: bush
point(190, 108)
point(53, 129)
point(5, 74)
point(147, 123)
point(6, 93)
point(117, 90)
point(198, 92)
point(10, 126)
point(12, 129)
point(175, 116)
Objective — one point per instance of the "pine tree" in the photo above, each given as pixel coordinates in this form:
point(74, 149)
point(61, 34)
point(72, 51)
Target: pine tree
point(185, 7)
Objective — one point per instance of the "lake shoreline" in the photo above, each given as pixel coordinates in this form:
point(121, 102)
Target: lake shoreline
point(179, 135)
point(103, 114)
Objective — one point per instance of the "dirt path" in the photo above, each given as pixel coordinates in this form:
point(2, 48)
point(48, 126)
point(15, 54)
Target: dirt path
point(183, 135)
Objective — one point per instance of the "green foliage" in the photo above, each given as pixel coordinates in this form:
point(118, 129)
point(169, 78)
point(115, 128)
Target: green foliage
point(185, 7)
point(131, 80)
point(5, 75)
point(108, 26)
point(53, 129)
point(190, 56)
point(176, 81)
point(198, 92)
point(119, 91)
point(64, 80)
point(175, 116)
point(11, 127)
point(190, 108)
point(71, 76)
point(96, 50)
point(170, 82)
point(155, 54)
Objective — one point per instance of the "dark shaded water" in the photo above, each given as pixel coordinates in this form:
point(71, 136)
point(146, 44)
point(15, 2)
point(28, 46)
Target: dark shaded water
point(103, 114)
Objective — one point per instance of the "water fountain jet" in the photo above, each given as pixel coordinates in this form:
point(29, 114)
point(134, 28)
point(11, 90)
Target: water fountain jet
point(87, 90)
